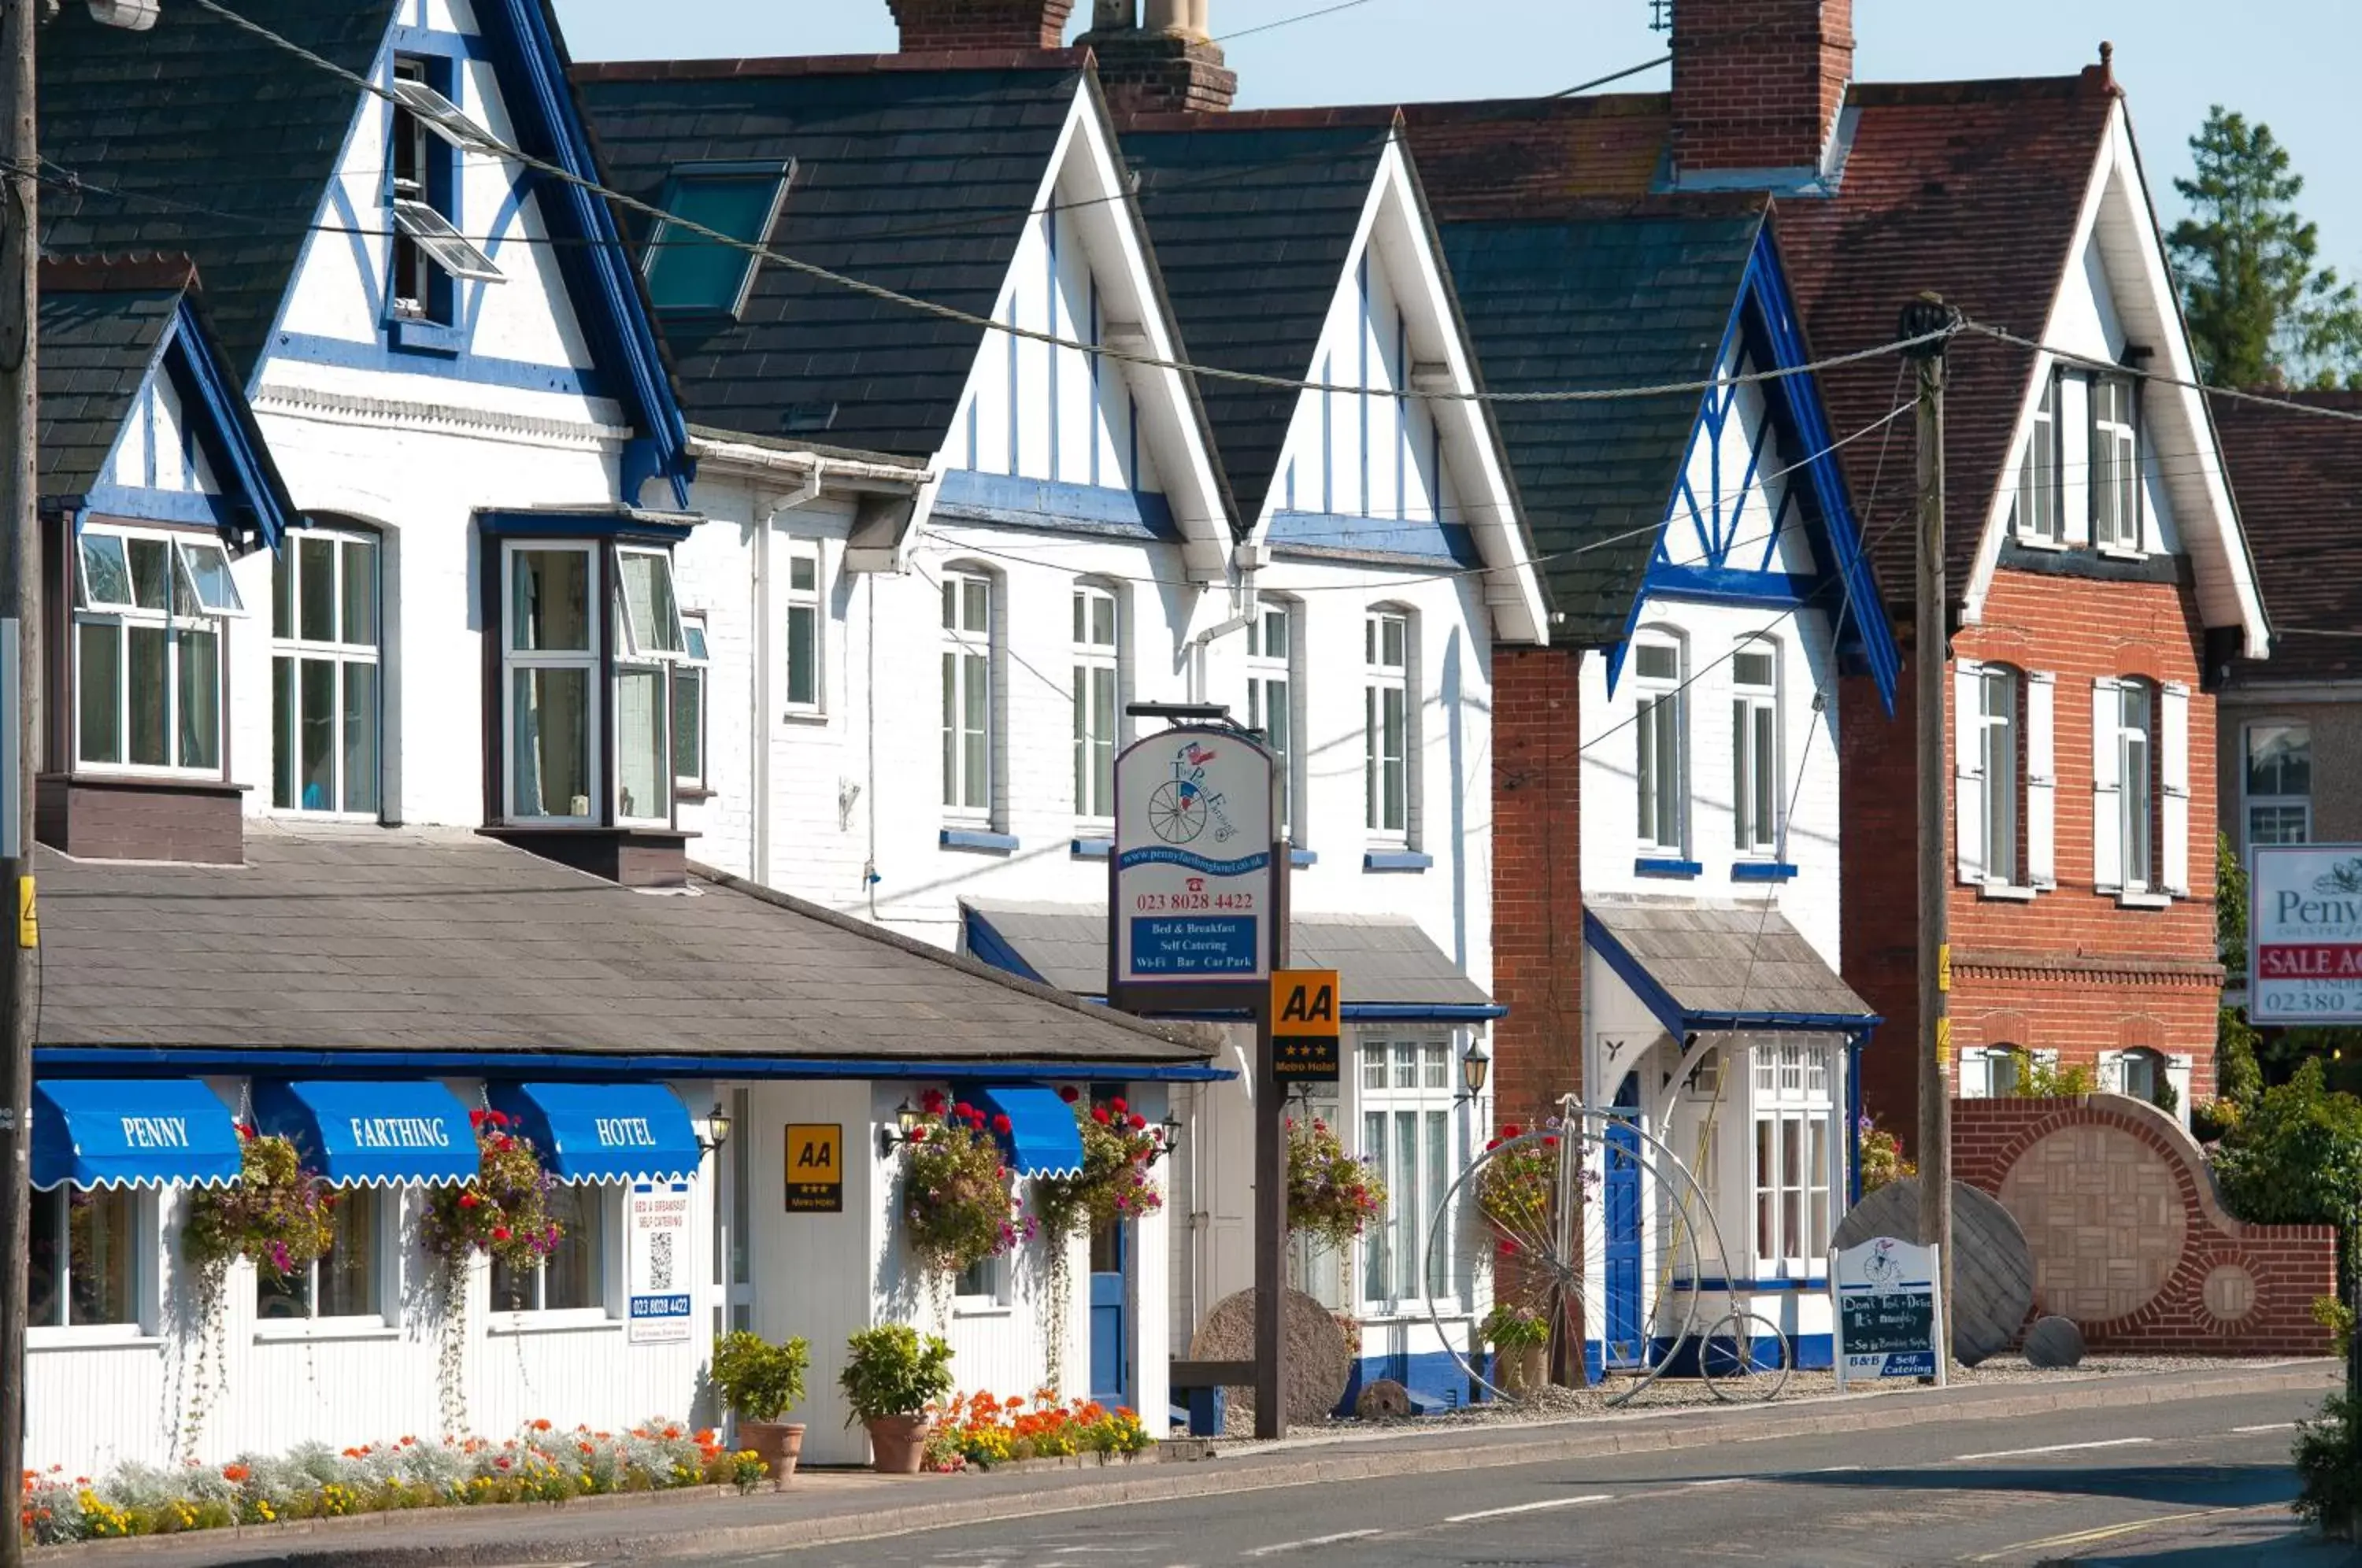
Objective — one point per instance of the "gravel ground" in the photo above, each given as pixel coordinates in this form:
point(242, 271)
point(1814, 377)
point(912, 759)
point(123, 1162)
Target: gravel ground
point(1677, 1393)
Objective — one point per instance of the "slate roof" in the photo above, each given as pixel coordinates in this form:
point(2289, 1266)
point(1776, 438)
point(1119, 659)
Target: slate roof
point(424, 941)
point(2297, 478)
point(1717, 960)
point(198, 137)
point(97, 345)
point(913, 172)
point(1608, 295)
point(1253, 215)
point(1969, 188)
point(1382, 958)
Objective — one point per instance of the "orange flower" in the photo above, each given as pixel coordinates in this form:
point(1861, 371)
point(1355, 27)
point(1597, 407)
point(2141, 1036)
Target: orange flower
point(236, 1474)
point(542, 1426)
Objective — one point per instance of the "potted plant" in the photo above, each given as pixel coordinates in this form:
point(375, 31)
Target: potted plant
point(890, 1376)
point(761, 1382)
point(1520, 1340)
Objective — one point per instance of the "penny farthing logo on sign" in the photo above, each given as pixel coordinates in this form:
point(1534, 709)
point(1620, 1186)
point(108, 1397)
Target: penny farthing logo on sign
point(1192, 864)
point(1182, 807)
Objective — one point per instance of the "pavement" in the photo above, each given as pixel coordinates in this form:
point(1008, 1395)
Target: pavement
point(2010, 1473)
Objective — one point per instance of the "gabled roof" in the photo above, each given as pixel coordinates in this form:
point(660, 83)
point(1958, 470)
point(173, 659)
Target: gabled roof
point(1605, 295)
point(2299, 480)
point(363, 943)
point(200, 139)
point(1701, 966)
point(917, 173)
point(1254, 218)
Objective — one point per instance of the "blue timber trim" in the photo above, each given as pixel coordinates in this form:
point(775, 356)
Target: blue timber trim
point(604, 285)
point(1056, 506)
point(1654, 997)
point(1667, 865)
point(253, 490)
point(516, 375)
point(1396, 860)
point(142, 504)
point(1682, 1022)
point(1357, 1012)
point(1093, 848)
point(978, 839)
point(1729, 585)
point(585, 524)
point(143, 1061)
point(1762, 871)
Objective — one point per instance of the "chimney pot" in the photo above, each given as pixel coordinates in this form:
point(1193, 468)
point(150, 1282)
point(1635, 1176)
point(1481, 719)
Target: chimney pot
point(1164, 62)
point(929, 26)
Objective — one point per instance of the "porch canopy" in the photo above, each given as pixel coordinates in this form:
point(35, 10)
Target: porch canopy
point(1703, 967)
point(1390, 968)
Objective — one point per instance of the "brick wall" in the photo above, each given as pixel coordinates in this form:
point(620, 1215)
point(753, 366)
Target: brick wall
point(1537, 892)
point(2071, 971)
point(1758, 84)
point(929, 25)
point(2128, 1236)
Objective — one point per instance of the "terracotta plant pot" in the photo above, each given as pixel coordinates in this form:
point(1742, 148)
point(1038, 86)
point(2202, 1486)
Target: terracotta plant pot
point(1521, 1370)
point(896, 1443)
point(777, 1444)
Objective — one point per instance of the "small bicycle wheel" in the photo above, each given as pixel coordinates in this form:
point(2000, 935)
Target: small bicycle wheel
point(1745, 1359)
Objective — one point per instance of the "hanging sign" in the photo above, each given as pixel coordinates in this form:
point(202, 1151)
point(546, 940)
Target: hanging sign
point(1193, 878)
point(1304, 1029)
point(1890, 1310)
point(815, 1167)
point(655, 1247)
point(2304, 941)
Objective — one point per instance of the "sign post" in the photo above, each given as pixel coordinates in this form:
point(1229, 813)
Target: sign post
point(1887, 1298)
point(1196, 923)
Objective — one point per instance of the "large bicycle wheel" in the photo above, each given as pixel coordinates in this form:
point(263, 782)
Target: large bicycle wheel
point(1745, 1359)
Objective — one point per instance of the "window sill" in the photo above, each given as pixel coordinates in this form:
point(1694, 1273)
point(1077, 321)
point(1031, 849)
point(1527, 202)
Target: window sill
point(415, 335)
point(977, 1306)
point(92, 1336)
point(2119, 553)
point(1762, 871)
point(2008, 892)
point(288, 1330)
point(567, 1321)
point(694, 794)
point(2037, 542)
point(1376, 1312)
point(1396, 860)
point(811, 716)
point(1093, 848)
point(2144, 901)
point(981, 840)
point(1650, 867)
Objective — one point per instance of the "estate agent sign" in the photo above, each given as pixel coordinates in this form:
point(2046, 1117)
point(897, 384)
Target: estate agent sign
point(1890, 1310)
point(656, 1263)
point(2304, 947)
point(1194, 880)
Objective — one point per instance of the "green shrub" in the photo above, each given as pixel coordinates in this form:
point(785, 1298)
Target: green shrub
point(759, 1380)
point(2295, 1158)
point(2329, 1468)
point(891, 1372)
point(2338, 1318)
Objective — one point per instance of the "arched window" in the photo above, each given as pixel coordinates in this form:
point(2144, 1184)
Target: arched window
point(2140, 1073)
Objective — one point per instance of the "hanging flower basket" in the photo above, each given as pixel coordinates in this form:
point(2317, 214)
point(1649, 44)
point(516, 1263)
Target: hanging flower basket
point(1330, 1195)
point(504, 1208)
point(1113, 1186)
point(1519, 1192)
point(959, 1204)
point(276, 1212)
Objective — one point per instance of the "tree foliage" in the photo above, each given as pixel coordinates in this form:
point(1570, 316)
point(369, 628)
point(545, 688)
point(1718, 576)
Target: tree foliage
point(2261, 311)
point(2295, 1156)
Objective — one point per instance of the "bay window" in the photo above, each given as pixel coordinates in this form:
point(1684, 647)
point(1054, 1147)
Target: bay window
point(1408, 1091)
point(325, 674)
point(689, 703)
point(1793, 1158)
point(149, 617)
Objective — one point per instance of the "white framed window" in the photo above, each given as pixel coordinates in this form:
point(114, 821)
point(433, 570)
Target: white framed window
point(653, 639)
point(1385, 724)
point(1097, 669)
point(1661, 741)
point(2279, 783)
point(1408, 1137)
point(2115, 465)
point(970, 652)
point(1793, 1158)
point(2041, 519)
point(346, 1281)
point(1998, 755)
point(2140, 1072)
point(85, 1258)
point(983, 1286)
point(1272, 687)
point(1756, 795)
point(551, 667)
point(803, 689)
point(573, 1276)
point(327, 652)
point(424, 140)
point(689, 702)
point(1992, 1072)
point(2137, 774)
point(149, 620)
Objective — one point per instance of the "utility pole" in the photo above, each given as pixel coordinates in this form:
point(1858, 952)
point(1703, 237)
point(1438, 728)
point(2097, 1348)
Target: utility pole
point(1932, 648)
point(19, 625)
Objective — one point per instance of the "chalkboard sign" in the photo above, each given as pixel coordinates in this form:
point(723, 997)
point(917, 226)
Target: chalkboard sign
point(1889, 1313)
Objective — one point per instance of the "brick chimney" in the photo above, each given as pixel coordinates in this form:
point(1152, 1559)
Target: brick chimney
point(929, 26)
point(1757, 84)
point(1165, 62)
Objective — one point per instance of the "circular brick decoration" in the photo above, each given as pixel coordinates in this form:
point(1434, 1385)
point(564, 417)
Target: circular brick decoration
point(2229, 1293)
point(2102, 1212)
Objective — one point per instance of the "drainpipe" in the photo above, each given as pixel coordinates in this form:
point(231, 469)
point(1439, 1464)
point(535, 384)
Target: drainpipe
point(760, 850)
point(1243, 601)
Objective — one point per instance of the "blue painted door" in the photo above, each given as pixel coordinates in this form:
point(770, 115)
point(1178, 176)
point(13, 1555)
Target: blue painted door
point(1111, 1341)
point(1620, 1219)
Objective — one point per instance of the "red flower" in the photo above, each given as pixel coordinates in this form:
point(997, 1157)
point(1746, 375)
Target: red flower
point(1069, 1093)
point(1137, 1121)
point(963, 1110)
point(1001, 1124)
point(476, 1118)
point(500, 1118)
point(1511, 1131)
point(918, 1134)
point(932, 1099)
point(1508, 1249)
point(1492, 1143)
point(469, 1200)
point(1549, 1141)
point(1117, 1106)
point(1100, 1114)
point(500, 1233)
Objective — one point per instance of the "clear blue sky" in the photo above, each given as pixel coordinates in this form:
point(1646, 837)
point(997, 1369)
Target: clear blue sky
point(2291, 62)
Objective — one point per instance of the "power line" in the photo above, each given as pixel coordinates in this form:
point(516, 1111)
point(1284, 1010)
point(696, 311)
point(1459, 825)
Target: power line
point(2135, 372)
point(1291, 21)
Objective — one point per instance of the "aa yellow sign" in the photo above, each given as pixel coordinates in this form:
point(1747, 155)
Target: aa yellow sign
point(815, 1167)
point(1303, 1005)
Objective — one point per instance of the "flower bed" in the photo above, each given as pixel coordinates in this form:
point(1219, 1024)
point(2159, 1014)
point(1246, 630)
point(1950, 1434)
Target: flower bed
point(540, 1465)
point(979, 1431)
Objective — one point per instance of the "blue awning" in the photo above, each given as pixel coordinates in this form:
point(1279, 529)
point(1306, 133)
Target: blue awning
point(1043, 1139)
point(360, 1133)
point(131, 1132)
point(603, 1132)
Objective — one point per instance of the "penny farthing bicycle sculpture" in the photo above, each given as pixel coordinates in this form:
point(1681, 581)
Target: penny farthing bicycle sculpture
point(1597, 1226)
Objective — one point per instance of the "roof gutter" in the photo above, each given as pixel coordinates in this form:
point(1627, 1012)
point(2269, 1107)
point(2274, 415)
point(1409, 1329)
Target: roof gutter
point(841, 473)
point(132, 1061)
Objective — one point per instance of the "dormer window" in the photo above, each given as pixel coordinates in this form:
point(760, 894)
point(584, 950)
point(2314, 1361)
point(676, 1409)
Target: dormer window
point(693, 273)
point(150, 613)
point(2115, 466)
point(2039, 518)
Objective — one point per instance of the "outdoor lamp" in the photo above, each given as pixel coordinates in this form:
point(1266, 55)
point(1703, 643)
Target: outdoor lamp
point(906, 1124)
point(1169, 1136)
point(717, 1131)
point(1474, 1068)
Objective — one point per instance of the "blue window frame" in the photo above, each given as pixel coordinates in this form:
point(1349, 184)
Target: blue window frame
point(690, 273)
